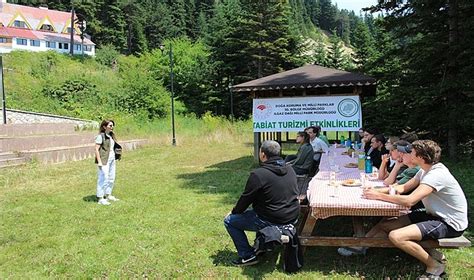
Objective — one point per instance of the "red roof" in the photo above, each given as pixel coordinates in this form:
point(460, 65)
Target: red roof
point(37, 13)
point(11, 32)
point(17, 33)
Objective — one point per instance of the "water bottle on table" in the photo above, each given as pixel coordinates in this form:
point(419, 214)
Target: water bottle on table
point(368, 165)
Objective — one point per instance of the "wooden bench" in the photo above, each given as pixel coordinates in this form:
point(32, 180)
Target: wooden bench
point(456, 242)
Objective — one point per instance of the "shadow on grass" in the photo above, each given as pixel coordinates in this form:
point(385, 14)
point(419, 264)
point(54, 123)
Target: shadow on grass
point(90, 198)
point(228, 180)
point(228, 177)
point(268, 263)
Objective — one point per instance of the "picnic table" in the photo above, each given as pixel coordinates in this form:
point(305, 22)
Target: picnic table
point(327, 201)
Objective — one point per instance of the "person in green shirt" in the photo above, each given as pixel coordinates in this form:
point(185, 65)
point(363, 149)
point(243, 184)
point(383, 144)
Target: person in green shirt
point(321, 135)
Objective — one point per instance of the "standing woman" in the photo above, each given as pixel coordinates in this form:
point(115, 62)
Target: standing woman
point(105, 156)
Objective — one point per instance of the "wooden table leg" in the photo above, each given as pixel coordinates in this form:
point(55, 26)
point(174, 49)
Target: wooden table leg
point(309, 225)
point(358, 224)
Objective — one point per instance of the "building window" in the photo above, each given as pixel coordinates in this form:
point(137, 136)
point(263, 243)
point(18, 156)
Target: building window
point(47, 27)
point(51, 45)
point(3, 40)
point(34, 43)
point(77, 47)
point(87, 48)
point(19, 24)
point(20, 41)
point(63, 46)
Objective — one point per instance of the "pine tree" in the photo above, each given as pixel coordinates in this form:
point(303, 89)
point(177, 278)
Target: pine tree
point(335, 57)
point(328, 15)
point(363, 43)
point(434, 81)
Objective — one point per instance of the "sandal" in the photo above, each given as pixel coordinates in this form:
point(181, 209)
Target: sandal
point(431, 276)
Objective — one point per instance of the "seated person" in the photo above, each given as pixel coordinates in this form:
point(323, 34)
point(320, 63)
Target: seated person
point(369, 133)
point(360, 136)
point(377, 149)
point(272, 191)
point(322, 136)
point(389, 161)
point(389, 145)
point(446, 208)
point(319, 146)
point(404, 169)
point(304, 157)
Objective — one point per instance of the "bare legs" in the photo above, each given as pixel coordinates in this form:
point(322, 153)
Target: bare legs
point(404, 239)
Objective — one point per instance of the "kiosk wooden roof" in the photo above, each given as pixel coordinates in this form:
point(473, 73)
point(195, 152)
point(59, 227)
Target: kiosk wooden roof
point(305, 81)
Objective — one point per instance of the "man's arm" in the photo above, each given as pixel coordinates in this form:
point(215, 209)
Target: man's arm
point(249, 194)
point(392, 176)
point(408, 186)
point(406, 200)
point(383, 167)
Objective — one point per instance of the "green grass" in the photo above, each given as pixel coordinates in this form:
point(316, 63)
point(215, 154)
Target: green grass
point(168, 223)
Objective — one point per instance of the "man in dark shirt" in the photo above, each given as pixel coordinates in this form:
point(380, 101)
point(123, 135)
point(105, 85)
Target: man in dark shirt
point(272, 191)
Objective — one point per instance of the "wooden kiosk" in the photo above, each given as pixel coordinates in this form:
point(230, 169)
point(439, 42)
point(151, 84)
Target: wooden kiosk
point(309, 80)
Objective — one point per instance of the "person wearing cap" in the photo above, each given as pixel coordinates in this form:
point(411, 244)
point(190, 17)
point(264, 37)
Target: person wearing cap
point(410, 169)
point(389, 160)
point(446, 207)
point(404, 149)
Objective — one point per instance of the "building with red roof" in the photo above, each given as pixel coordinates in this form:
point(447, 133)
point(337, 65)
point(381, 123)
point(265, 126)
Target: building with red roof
point(40, 29)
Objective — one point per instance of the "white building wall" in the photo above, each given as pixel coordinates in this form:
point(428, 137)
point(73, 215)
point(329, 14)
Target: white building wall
point(42, 47)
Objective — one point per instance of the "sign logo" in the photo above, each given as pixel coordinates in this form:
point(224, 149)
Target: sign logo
point(348, 107)
point(262, 110)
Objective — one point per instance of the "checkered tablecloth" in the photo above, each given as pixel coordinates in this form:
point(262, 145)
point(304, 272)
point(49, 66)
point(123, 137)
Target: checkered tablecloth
point(327, 201)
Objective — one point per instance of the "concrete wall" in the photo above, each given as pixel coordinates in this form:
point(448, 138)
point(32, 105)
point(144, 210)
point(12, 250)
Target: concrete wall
point(22, 117)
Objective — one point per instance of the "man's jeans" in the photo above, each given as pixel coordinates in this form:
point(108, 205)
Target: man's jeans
point(236, 224)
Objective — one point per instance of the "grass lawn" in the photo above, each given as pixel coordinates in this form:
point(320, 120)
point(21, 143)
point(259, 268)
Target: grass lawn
point(168, 223)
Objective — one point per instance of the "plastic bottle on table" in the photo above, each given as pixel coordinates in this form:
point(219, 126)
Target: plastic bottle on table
point(361, 161)
point(368, 165)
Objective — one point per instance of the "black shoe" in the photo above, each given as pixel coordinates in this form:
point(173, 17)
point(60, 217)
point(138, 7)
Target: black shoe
point(260, 252)
point(244, 262)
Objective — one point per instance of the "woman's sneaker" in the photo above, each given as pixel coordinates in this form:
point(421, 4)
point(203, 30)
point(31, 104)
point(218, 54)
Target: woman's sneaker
point(244, 262)
point(103, 201)
point(349, 251)
point(112, 198)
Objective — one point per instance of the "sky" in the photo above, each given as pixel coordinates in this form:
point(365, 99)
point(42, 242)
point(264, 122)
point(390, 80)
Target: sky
point(355, 5)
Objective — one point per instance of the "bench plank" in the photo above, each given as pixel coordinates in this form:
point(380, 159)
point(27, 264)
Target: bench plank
point(379, 242)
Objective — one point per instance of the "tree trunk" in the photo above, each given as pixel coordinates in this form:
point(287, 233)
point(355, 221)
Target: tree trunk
point(452, 92)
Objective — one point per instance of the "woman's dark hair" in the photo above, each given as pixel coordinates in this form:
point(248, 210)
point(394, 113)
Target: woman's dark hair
point(380, 138)
point(371, 131)
point(104, 124)
point(428, 150)
point(305, 136)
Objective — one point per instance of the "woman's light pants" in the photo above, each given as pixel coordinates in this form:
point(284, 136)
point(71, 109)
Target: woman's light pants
point(106, 178)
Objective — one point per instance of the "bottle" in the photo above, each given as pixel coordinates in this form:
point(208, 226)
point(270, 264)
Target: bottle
point(351, 151)
point(368, 165)
point(342, 139)
point(361, 161)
